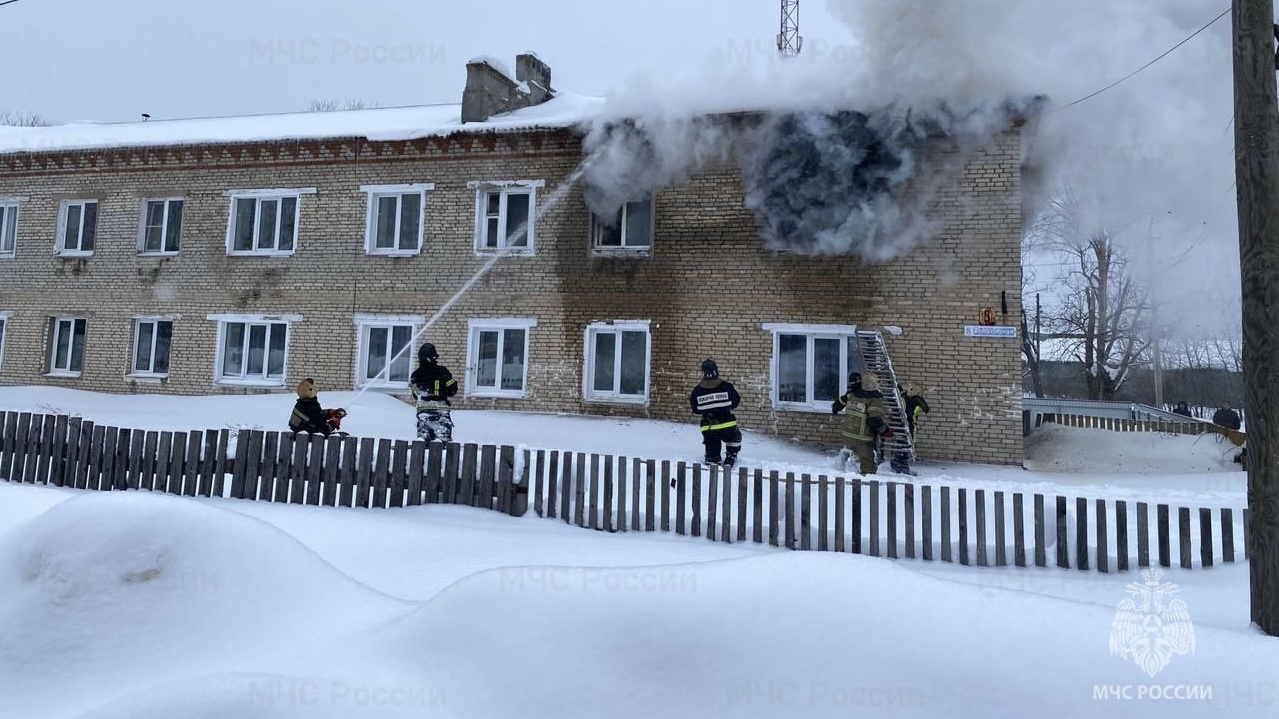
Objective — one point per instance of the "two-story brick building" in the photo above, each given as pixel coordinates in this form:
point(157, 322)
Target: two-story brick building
point(241, 254)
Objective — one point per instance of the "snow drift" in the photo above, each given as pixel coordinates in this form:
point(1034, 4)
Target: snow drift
point(111, 588)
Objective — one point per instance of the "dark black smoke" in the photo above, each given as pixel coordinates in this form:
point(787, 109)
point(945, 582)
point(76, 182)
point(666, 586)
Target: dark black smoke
point(819, 183)
point(829, 183)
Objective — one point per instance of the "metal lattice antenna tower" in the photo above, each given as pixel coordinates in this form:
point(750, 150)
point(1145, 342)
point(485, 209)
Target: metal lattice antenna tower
point(789, 41)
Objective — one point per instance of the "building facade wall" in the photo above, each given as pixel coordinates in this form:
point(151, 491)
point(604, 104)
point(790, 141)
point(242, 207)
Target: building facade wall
point(707, 287)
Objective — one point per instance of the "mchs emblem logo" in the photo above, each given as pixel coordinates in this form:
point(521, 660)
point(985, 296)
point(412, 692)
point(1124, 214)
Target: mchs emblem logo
point(1150, 626)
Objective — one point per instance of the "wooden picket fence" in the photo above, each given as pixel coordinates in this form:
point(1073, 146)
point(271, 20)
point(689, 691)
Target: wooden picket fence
point(909, 520)
point(1115, 424)
point(1126, 425)
point(894, 519)
point(67, 451)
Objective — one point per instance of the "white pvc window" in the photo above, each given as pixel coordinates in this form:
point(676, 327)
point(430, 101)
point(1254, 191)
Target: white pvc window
point(161, 226)
point(385, 357)
point(617, 362)
point(253, 351)
point(630, 230)
point(152, 342)
point(77, 227)
point(8, 228)
point(66, 346)
point(811, 365)
point(264, 222)
point(498, 358)
point(504, 215)
point(396, 219)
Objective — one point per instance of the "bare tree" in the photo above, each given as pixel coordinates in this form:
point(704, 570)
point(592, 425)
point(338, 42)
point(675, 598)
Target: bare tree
point(1030, 338)
point(22, 119)
point(1103, 313)
point(1221, 352)
point(1030, 350)
point(337, 105)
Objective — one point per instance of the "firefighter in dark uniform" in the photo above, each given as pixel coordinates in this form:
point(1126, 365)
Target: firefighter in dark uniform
point(432, 384)
point(714, 399)
point(915, 403)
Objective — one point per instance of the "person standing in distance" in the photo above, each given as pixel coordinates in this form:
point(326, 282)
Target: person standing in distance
point(714, 399)
point(432, 384)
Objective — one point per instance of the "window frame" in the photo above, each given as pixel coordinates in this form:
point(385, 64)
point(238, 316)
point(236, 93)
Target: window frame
point(596, 227)
point(10, 213)
point(164, 227)
point(377, 192)
point(55, 328)
point(5, 316)
point(589, 394)
point(505, 188)
point(279, 195)
point(224, 320)
point(811, 332)
point(64, 216)
point(364, 323)
point(138, 321)
point(500, 325)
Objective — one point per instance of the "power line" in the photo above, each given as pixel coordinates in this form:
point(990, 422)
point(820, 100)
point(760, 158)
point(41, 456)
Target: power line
point(7, 2)
point(1152, 62)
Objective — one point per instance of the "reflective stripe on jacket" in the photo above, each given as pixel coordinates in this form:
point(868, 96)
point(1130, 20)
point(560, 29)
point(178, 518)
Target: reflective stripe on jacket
point(709, 425)
point(857, 412)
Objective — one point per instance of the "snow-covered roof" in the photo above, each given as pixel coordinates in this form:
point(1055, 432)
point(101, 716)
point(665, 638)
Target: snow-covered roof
point(382, 124)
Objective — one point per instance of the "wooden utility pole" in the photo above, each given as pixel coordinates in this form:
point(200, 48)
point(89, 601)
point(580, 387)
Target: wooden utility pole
point(1257, 180)
point(1155, 334)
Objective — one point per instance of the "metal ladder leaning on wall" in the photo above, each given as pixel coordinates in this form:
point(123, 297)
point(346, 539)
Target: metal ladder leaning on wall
point(870, 346)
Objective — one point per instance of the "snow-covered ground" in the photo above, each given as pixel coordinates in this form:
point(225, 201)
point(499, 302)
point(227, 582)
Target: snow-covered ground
point(133, 604)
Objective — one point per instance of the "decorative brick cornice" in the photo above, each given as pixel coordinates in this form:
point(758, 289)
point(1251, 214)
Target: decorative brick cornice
point(549, 143)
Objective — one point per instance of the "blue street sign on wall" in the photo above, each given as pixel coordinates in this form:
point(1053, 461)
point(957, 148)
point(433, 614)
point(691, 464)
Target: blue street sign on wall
point(989, 331)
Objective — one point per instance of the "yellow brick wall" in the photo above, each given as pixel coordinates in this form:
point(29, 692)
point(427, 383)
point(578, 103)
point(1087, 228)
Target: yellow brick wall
point(707, 286)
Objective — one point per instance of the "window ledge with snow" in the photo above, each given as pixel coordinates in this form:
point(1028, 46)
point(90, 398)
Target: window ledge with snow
point(615, 399)
point(232, 382)
point(72, 254)
point(148, 377)
point(387, 387)
point(270, 193)
point(57, 374)
point(506, 251)
point(488, 393)
point(492, 184)
point(621, 252)
point(260, 253)
point(393, 253)
point(802, 407)
point(157, 253)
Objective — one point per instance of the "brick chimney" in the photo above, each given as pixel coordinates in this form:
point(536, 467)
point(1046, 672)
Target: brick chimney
point(490, 89)
point(536, 75)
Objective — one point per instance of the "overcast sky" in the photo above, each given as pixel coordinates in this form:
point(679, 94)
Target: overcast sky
point(111, 60)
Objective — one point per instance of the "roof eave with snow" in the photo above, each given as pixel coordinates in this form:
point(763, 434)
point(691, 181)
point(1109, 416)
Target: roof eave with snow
point(563, 112)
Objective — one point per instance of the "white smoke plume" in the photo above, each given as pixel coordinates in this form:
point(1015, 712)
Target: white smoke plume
point(1157, 145)
point(634, 158)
